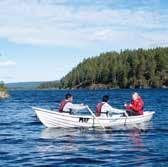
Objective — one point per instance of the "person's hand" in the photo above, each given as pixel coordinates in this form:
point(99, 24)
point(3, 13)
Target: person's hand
point(82, 104)
point(130, 105)
point(125, 105)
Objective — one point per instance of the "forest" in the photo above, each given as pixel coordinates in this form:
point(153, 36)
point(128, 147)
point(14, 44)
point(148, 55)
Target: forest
point(3, 88)
point(138, 68)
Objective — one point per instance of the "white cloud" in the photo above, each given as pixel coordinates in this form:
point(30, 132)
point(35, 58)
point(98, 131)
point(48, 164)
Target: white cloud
point(8, 63)
point(59, 23)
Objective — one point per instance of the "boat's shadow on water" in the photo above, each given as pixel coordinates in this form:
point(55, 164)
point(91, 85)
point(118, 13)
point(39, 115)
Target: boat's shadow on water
point(51, 133)
point(58, 132)
point(76, 143)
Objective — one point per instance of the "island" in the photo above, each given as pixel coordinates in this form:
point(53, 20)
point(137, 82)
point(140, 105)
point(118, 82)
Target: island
point(3, 91)
point(139, 68)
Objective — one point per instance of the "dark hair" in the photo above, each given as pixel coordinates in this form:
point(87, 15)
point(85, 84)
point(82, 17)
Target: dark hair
point(67, 96)
point(105, 98)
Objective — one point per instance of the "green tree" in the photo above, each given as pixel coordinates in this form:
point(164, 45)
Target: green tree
point(126, 69)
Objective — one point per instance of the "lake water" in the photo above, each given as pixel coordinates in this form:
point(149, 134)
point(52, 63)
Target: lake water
point(24, 141)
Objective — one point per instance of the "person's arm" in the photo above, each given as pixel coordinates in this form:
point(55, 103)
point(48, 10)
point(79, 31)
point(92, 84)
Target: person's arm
point(137, 107)
point(78, 106)
point(128, 107)
point(114, 110)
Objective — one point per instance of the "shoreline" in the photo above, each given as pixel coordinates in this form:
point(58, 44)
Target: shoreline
point(4, 95)
point(84, 89)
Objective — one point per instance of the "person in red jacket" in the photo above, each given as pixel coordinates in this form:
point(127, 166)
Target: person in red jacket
point(136, 106)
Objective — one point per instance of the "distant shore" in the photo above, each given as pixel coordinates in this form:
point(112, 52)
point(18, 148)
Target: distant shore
point(100, 87)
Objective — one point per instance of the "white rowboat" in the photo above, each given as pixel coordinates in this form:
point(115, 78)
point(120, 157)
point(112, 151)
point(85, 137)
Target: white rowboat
point(56, 119)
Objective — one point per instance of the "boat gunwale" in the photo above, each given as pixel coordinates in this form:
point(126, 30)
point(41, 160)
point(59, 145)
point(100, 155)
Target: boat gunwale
point(74, 121)
point(147, 113)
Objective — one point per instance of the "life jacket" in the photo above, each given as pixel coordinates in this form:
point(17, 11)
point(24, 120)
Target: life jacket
point(98, 109)
point(137, 106)
point(62, 105)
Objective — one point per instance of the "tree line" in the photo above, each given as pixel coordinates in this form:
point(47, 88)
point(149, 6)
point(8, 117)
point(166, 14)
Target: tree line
point(138, 68)
point(3, 88)
point(50, 85)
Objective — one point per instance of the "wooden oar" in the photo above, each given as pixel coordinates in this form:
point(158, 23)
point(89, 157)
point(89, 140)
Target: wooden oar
point(95, 117)
point(129, 120)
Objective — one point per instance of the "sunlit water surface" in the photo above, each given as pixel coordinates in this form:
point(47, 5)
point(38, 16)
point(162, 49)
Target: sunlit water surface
point(24, 141)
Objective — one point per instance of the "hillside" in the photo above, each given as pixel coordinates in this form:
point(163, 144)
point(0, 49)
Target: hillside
point(3, 87)
point(128, 69)
point(50, 85)
point(3, 91)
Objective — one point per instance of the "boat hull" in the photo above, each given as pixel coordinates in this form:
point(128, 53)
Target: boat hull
point(55, 119)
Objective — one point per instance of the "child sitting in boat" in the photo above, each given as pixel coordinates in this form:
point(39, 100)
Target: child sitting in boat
point(67, 105)
point(136, 106)
point(104, 108)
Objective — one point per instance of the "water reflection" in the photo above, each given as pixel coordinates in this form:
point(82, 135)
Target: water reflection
point(110, 145)
point(61, 142)
point(23, 143)
point(57, 133)
point(54, 133)
point(136, 133)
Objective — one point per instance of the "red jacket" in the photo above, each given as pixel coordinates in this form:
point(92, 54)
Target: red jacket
point(137, 106)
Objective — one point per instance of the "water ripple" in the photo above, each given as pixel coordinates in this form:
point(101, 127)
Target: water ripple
point(24, 141)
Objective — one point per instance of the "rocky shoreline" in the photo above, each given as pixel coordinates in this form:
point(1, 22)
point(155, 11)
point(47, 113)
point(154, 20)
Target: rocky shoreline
point(108, 86)
point(3, 95)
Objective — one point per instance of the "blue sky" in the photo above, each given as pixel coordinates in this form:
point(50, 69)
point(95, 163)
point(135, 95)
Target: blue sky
point(42, 40)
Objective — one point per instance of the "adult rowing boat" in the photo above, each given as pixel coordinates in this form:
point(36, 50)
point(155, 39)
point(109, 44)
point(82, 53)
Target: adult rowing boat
point(56, 119)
